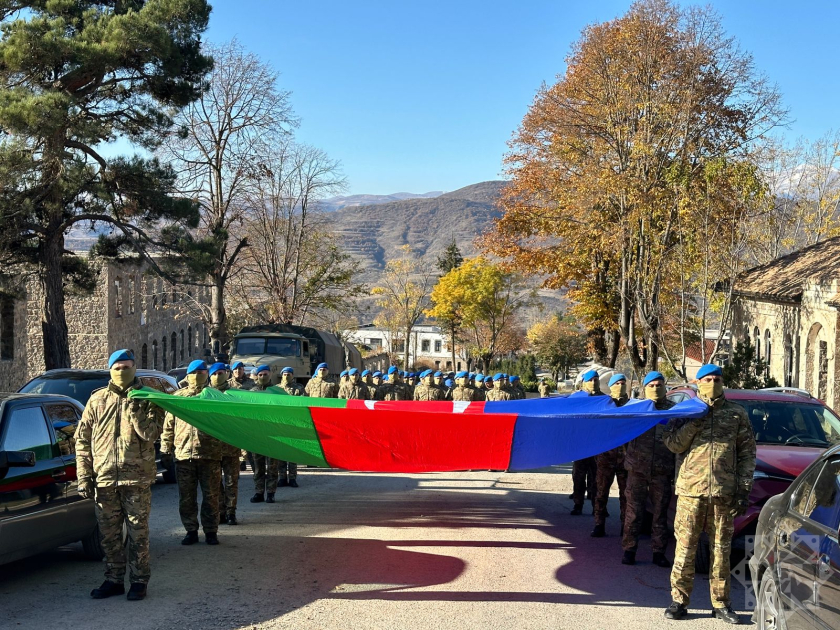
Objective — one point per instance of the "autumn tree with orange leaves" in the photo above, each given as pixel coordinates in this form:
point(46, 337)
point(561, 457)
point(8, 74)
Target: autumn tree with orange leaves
point(609, 165)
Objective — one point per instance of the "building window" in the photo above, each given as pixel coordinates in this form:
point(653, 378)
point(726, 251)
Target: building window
point(154, 355)
point(131, 298)
point(118, 297)
point(182, 344)
point(144, 357)
point(425, 345)
point(174, 350)
point(189, 341)
point(7, 328)
point(174, 295)
point(437, 345)
point(822, 387)
point(767, 347)
point(163, 352)
point(374, 342)
point(757, 337)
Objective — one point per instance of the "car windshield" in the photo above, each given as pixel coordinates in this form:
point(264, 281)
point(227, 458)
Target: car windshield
point(279, 346)
point(78, 388)
point(792, 424)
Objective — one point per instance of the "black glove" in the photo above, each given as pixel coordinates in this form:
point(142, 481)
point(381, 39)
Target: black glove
point(86, 488)
point(740, 505)
point(166, 460)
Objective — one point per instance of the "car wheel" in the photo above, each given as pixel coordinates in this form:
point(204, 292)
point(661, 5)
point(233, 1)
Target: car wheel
point(703, 559)
point(169, 474)
point(768, 612)
point(92, 544)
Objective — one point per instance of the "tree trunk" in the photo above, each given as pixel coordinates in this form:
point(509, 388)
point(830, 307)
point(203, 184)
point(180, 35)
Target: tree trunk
point(598, 343)
point(53, 319)
point(218, 316)
point(453, 348)
point(612, 342)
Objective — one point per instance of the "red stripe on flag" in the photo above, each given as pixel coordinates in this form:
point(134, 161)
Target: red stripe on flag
point(412, 441)
point(435, 406)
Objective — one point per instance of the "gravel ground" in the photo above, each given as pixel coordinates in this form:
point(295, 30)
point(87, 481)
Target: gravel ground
point(449, 550)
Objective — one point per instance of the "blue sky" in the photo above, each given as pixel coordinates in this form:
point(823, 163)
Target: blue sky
point(420, 96)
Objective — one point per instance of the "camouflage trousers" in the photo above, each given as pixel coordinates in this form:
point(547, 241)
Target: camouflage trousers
point(266, 474)
point(193, 473)
point(694, 514)
point(129, 505)
point(287, 470)
point(639, 489)
point(583, 480)
point(229, 489)
point(610, 468)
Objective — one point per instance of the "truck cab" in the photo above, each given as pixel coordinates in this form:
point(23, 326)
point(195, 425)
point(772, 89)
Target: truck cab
point(274, 349)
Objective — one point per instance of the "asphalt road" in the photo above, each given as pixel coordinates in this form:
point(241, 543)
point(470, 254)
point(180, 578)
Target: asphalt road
point(347, 550)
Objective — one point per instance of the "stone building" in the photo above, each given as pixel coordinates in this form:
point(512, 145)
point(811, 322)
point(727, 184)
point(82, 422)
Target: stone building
point(788, 309)
point(427, 345)
point(130, 308)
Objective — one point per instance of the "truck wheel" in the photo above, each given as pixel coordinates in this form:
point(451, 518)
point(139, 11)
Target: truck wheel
point(92, 544)
point(702, 560)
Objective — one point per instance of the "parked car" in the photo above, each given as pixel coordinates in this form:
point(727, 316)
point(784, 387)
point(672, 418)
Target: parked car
point(791, 431)
point(80, 384)
point(795, 569)
point(40, 505)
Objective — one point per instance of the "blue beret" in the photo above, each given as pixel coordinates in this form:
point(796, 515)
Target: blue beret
point(498, 376)
point(392, 369)
point(462, 374)
point(616, 377)
point(216, 367)
point(365, 372)
point(236, 364)
point(196, 365)
point(438, 373)
point(709, 369)
point(479, 378)
point(448, 383)
point(377, 373)
point(120, 355)
point(652, 376)
point(352, 371)
point(262, 368)
point(425, 373)
point(589, 375)
point(514, 378)
point(343, 373)
point(322, 366)
point(287, 370)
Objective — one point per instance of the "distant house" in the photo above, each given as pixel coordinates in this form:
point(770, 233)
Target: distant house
point(788, 309)
point(427, 345)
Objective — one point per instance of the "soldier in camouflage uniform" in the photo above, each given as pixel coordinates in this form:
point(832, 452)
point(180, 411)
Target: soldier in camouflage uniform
point(229, 488)
point(318, 386)
point(463, 392)
point(353, 388)
point(584, 471)
point(715, 462)
point(375, 389)
point(610, 467)
point(426, 390)
point(288, 470)
point(266, 469)
point(650, 471)
point(410, 384)
point(498, 392)
point(393, 389)
point(543, 388)
point(480, 392)
point(518, 389)
point(197, 463)
point(240, 380)
point(115, 459)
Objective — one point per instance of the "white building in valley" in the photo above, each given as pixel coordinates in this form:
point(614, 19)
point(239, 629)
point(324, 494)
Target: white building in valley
point(428, 346)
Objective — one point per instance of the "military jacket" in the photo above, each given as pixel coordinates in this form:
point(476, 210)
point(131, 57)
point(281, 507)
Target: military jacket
point(424, 392)
point(115, 439)
point(319, 388)
point(478, 393)
point(614, 458)
point(393, 391)
point(463, 394)
point(494, 395)
point(293, 389)
point(647, 454)
point(354, 391)
point(246, 383)
point(184, 440)
point(544, 390)
point(716, 453)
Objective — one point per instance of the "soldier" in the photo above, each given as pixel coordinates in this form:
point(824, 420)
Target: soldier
point(318, 386)
point(479, 387)
point(240, 380)
point(610, 466)
point(229, 488)
point(377, 390)
point(585, 470)
point(426, 390)
point(367, 379)
point(716, 463)
point(463, 392)
point(516, 386)
point(197, 463)
point(410, 384)
point(438, 381)
point(353, 388)
point(393, 389)
point(266, 469)
point(543, 388)
point(448, 385)
point(288, 470)
point(115, 456)
point(650, 470)
point(498, 392)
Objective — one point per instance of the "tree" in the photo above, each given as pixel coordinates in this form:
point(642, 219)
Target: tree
point(605, 163)
point(449, 321)
point(403, 291)
point(217, 145)
point(76, 75)
point(559, 344)
point(294, 266)
point(451, 257)
point(746, 370)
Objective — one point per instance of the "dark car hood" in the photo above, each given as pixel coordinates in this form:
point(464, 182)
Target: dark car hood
point(788, 461)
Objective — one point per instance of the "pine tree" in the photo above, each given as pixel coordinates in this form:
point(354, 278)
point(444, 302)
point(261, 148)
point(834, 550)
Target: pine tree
point(450, 259)
point(746, 370)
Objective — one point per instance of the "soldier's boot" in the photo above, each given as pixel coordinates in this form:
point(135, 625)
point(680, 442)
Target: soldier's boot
point(577, 510)
point(223, 518)
point(675, 611)
point(232, 519)
point(282, 483)
point(136, 592)
point(727, 614)
point(598, 532)
point(293, 483)
point(660, 560)
point(190, 539)
point(629, 557)
point(108, 589)
point(211, 538)
point(258, 498)
point(270, 498)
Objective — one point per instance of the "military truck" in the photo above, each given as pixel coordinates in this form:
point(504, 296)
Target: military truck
point(300, 347)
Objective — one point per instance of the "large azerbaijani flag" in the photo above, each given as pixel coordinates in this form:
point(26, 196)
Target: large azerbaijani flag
point(408, 436)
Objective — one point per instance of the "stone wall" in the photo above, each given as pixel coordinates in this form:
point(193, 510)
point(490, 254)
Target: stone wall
point(13, 371)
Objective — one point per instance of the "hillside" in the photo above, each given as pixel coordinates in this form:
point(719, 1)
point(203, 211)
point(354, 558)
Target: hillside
point(337, 203)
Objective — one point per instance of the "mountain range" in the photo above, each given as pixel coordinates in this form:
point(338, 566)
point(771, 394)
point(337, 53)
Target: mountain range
point(337, 203)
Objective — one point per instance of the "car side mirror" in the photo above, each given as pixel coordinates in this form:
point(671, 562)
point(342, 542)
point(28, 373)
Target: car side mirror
point(17, 459)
